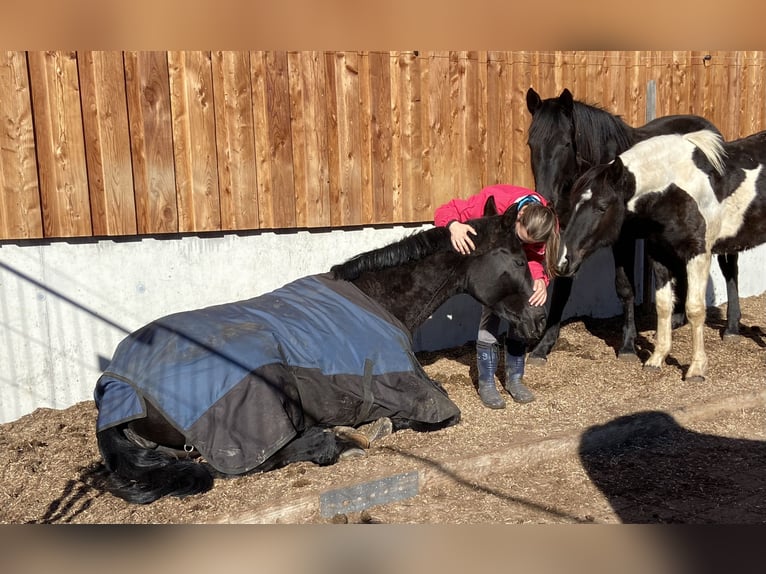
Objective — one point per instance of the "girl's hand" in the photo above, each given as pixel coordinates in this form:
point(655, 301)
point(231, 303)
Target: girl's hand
point(540, 293)
point(459, 237)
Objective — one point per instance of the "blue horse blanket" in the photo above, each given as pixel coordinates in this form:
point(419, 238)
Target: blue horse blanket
point(240, 380)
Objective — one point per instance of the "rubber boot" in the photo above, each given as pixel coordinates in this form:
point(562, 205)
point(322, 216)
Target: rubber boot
point(514, 373)
point(486, 361)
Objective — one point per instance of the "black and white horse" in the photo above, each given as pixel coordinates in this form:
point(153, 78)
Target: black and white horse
point(566, 137)
point(690, 196)
point(257, 384)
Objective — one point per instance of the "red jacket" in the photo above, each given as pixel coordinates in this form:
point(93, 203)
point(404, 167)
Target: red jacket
point(505, 195)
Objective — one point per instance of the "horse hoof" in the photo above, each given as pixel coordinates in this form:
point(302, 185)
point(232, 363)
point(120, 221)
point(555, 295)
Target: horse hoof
point(354, 435)
point(731, 337)
point(537, 361)
point(377, 429)
point(651, 368)
point(627, 357)
point(695, 379)
point(353, 452)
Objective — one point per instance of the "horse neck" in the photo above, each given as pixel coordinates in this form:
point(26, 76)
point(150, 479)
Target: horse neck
point(413, 291)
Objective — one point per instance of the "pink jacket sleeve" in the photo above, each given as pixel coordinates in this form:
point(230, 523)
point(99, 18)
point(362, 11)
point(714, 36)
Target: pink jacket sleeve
point(462, 209)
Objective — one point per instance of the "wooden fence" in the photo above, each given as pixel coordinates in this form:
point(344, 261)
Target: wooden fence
point(134, 143)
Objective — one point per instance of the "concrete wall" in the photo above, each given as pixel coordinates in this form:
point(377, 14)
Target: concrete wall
point(64, 306)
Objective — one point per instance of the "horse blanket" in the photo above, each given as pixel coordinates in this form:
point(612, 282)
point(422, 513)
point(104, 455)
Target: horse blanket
point(240, 380)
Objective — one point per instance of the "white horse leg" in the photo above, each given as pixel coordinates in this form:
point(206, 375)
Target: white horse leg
point(698, 270)
point(663, 297)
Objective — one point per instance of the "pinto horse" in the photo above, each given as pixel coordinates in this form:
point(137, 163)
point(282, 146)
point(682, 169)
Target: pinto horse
point(691, 196)
point(565, 138)
point(261, 383)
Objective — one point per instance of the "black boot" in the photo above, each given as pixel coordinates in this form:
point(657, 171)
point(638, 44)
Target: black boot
point(486, 362)
point(514, 372)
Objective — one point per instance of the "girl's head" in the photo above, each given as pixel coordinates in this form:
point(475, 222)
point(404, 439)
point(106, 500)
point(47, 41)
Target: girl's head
point(537, 223)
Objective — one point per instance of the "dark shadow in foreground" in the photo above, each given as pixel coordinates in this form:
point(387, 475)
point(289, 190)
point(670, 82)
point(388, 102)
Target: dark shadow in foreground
point(652, 470)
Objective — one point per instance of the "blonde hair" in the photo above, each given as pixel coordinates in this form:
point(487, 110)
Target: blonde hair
point(542, 226)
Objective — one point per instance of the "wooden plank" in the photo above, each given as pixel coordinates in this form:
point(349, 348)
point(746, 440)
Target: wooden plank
point(635, 80)
point(194, 146)
point(380, 132)
point(147, 85)
point(680, 84)
point(273, 140)
point(349, 154)
point(753, 96)
point(397, 66)
point(366, 202)
point(615, 84)
point(438, 92)
point(521, 170)
point(718, 104)
point(734, 67)
point(20, 209)
point(468, 143)
point(308, 92)
point(411, 142)
point(107, 147)
point(498, 106)
point(235, 140)
point(60, 144)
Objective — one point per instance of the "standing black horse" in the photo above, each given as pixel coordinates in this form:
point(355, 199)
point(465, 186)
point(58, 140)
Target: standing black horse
point(258, 384)
point(566, 137)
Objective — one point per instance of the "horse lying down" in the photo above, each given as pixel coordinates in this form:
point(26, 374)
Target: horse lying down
point(690, 196)
point(257, 384)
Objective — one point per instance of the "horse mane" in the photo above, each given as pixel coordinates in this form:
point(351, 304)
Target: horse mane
point(415, 247)
point(599, 134)
point(411, 248)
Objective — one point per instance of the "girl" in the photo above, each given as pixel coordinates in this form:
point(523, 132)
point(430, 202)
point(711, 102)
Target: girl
point(537, 228)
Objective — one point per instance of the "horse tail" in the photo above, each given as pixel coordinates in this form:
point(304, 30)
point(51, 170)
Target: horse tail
point(709, 143)
point(141, 475)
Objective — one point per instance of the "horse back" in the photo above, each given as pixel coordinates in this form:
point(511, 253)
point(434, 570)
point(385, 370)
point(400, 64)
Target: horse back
point(673, 124)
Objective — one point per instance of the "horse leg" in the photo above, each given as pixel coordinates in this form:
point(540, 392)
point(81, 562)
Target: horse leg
point(318, 445)
point(624, 252)
point(562, 289)
point(698, 269)
point(663, 298)
point(680, 289)
point(730, 270)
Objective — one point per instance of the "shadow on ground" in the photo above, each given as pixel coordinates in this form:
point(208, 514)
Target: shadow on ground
point(663, 473)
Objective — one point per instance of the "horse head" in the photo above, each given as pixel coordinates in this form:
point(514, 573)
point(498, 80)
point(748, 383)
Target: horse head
point(498, 273)
point(597, 209)
point(552, 146)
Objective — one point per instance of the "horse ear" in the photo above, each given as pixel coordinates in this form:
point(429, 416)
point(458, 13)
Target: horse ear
point(510, 215)
point(566, 101)
point(533, 101)
point(490, 208)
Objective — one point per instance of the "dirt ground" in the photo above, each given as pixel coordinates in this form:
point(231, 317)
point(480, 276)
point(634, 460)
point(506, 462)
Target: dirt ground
point(605, 442)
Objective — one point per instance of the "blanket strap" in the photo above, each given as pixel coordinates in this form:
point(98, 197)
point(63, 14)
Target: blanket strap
point(367, 389)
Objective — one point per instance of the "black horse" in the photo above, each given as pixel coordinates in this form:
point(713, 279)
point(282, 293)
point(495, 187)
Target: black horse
point(566, 137)
point(261, 383)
